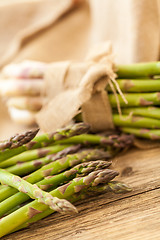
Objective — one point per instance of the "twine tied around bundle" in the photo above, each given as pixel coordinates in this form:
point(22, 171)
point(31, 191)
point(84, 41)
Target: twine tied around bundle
point(73, 87)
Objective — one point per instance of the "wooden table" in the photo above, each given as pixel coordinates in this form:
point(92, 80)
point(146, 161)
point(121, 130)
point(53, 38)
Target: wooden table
point(131, 216)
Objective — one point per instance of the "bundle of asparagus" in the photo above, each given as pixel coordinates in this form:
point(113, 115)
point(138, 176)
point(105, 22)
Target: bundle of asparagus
point(70, 168)
point(22, 85)
point(141, 86)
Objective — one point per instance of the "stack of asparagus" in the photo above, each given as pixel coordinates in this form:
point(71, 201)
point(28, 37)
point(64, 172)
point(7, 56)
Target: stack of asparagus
point(23, 88)
point(43, 174)
point(140, 84)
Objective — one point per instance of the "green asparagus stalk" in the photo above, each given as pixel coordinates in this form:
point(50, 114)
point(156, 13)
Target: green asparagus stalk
point(17, 140)
point(14, 209)
point(68, 161)
point(22, 215)
point(143, 132)
point(136, 99)
point(63, 133)
point(22, 169)
point(58, 166)
point(53, 182)
point(46, 139)
point(35, 192)
point(81, 169)
point(138, 85)
point(114, 140)
point(135, 121)
point(2, 186)
point(148, 69)
point(151, 112)
point(32, 155)
point(113, 186)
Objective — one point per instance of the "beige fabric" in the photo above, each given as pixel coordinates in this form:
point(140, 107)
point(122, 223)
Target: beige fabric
point(133, 27)
point(39, 30)
point(71, 86)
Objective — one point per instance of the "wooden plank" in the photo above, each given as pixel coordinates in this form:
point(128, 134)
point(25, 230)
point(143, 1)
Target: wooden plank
point(131, 216)
point(136, 217)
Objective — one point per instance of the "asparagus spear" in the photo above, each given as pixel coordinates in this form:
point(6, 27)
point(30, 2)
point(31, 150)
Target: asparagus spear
point(147, 69)
point(46, 138)
point(113, 186)
point(22, 215)
point(152, 112)
point(68, 161)
point(35, 192)
point(27, 167)
point(32, 155)
point(2, 186)
point(143, 132)
point(88, 191)
point(53, 182)
point(136, 99)
point(138, 85)
point(17, 140)
point(114, 140)
point(135, 121)
point(81, 169)
point(58, 166)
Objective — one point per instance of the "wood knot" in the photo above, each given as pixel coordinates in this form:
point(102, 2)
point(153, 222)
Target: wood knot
point(127, 171)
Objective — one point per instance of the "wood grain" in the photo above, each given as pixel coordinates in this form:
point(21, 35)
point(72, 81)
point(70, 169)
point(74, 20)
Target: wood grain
point(135, 215)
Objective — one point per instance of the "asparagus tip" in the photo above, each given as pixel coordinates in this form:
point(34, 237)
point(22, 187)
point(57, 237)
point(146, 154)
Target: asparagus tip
point(64, 206)
point(119, 187)
point(18, 139)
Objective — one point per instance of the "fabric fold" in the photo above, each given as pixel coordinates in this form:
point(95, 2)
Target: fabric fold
point(73, 87)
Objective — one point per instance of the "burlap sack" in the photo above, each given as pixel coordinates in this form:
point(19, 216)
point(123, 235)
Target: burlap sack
point(73, 87)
